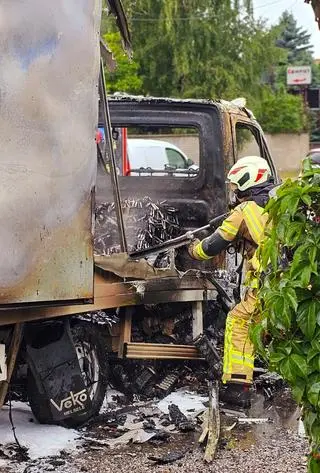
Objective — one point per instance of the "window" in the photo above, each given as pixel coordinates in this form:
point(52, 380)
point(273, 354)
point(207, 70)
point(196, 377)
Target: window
point(247, 144)
point(175, 159)
point(157, 151)
point(250, 142)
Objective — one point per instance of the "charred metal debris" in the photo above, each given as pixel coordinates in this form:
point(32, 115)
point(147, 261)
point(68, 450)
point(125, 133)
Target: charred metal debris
point(169, 324)
point(147, 224)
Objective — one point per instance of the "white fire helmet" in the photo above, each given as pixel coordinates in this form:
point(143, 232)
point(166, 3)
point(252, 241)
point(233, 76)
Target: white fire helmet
point(248, 172)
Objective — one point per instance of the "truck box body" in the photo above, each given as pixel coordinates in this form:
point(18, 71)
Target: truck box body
point(49, 55)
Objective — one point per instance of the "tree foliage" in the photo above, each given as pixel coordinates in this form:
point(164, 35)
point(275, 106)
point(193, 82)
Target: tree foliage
point(295, 39)
point(281, 112)
point(197, 48)
point(295, 42)
point(125, 77)
point(211, 49)
point(200, 48)
point(290, 296)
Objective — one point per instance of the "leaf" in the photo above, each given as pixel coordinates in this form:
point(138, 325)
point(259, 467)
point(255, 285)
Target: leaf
point(313, 464)
point(306, 199)
point(315, 364)
point(276, 357)
point(294, 233)
point(287, 370)
point(315, 343)
point(256, 335)
point(283, 227)
point(281, 312)
point(309, 419)
point(298, 389)
point(290, 295)
point(306, 318)
point(312, 353)
point(290, 204)
point(315, 433)
point(305, 276)
point(300, 363)
point(313, 394)
point(294, 366)
point(297, 347)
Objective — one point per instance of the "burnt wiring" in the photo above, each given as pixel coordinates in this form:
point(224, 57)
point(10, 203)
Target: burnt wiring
point(22, 451)
point(148, 223)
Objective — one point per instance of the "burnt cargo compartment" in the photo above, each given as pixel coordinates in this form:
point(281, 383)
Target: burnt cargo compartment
point(48, 84)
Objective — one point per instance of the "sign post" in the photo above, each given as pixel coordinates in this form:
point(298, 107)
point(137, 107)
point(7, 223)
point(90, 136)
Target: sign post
point(299, 75)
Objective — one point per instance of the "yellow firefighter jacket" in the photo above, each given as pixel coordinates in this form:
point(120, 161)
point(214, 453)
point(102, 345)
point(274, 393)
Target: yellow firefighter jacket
point(246, 222)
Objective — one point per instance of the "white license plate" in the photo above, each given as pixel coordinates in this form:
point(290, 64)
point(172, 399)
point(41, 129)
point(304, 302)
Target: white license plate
point(3, 364)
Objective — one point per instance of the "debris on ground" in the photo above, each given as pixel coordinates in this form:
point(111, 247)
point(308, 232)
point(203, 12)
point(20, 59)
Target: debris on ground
point(162, 413)
point(40, 440)
point(190, 403)
point(211, 423)
point(169, 458)
point(244, 446)
point(254, 420)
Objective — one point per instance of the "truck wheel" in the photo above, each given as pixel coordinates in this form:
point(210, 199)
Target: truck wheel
point(93, 363)
point(92, 360)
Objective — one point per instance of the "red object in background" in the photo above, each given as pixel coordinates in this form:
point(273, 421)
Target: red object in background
point(98, 137)
point(126, 170)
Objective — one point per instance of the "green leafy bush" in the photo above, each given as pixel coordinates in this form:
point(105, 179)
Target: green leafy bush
point(289, 297)
point(281, 113)
point(125, 76)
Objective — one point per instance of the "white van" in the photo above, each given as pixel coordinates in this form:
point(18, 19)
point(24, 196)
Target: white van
point(157, 155)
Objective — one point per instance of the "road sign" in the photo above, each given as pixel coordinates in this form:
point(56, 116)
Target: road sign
point(299, 75)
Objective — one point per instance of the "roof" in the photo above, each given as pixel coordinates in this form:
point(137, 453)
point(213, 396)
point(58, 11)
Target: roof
point(221, 104)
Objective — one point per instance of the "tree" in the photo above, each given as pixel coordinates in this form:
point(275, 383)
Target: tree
point(205, 49)
point(295, 42)
point(200, 48)
point(295, 39)
point(125, 77)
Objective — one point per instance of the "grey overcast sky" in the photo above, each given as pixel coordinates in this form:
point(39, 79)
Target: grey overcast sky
point(303, 13)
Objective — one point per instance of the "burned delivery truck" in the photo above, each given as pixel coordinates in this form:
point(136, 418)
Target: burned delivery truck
point(85, 182)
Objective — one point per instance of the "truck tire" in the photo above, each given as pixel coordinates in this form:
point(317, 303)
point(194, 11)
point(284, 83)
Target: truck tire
point(92, 358)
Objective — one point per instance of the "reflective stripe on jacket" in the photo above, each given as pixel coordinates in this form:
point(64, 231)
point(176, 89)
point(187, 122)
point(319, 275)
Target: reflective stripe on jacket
point(246, 221)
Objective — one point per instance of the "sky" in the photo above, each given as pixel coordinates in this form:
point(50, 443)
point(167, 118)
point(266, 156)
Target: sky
point(303, 13)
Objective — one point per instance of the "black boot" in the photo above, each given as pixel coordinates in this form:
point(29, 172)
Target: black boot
point(236, 394)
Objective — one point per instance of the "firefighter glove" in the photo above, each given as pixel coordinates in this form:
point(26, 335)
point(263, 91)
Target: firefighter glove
point(192, 249)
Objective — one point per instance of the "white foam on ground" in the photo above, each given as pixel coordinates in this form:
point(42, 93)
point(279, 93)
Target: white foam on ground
point(110, 394)
point(40, 440)
point(185, 400)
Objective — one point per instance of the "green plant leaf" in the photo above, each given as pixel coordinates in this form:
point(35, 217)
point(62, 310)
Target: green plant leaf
point(298, 389)
point(256, 335)
point(306, 199)
point(276, 357)
point(313, 394)
point(301, 366)
point(309, 418)
point(306, 318)
point(294, 366)
point(281, 312)
point(291, 297)
point(315, 364)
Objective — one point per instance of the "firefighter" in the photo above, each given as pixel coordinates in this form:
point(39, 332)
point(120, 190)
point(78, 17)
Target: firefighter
point(251, 181)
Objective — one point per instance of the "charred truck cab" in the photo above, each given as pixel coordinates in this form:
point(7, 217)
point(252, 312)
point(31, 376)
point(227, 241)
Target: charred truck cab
point(74, 307)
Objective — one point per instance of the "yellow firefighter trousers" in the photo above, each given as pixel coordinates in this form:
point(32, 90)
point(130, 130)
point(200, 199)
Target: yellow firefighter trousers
point(238, 360)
